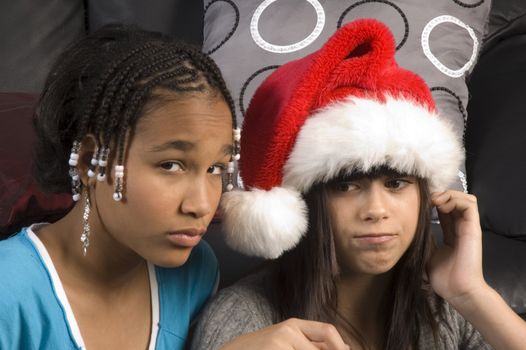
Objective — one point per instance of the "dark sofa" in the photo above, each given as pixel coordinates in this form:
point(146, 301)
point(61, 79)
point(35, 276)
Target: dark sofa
point(495, 142)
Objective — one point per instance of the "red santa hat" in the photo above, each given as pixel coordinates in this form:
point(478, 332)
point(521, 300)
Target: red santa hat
point(347, 107)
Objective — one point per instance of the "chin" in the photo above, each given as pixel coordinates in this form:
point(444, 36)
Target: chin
point(171, 259)
point(378, 267)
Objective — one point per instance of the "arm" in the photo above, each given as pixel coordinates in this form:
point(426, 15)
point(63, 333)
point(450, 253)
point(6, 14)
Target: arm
point(455, 272)
point(240, 318)
point(289, 335)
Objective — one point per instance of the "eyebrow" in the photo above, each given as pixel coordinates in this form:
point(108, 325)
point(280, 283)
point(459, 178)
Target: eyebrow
point(185, 146)
point(177, 145)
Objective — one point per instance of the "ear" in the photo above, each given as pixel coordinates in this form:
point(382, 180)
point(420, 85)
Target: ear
point(87, 148)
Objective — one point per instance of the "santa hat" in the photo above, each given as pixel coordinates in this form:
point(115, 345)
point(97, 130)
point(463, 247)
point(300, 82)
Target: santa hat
point(347, 107)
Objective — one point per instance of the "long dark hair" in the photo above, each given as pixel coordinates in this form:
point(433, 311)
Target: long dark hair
point(306, 277)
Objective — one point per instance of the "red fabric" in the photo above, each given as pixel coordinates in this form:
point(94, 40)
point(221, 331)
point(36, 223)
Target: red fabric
point(21, 201)
point(358, 60)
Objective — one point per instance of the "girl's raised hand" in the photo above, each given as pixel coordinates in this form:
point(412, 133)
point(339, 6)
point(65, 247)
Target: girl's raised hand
point(455, 269)
point(455, 272)
point(291, 334)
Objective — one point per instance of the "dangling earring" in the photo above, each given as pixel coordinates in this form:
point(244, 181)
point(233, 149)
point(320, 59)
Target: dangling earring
point(235, 158)
point(84, 237)
point(76, 184)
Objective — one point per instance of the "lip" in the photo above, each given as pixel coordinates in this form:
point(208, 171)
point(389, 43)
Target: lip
point(374, 238)
point(187, 237)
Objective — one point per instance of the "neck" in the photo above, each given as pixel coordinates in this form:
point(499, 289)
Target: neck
point(108, 264)
point(361, 301)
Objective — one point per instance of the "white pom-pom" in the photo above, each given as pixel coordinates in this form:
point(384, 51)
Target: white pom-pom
point(264, 223)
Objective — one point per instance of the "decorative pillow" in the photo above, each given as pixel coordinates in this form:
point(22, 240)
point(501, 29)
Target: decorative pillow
point(182, 19)
point(21, 201)
point(439, 40)
point(34, 33)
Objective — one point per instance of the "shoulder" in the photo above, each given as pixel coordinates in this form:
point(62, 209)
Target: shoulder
point(29, 313)
point(453, 330)
point(19, 264)
point(236, 310)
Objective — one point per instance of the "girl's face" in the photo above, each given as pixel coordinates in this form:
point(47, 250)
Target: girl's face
point(173, 180)
point(374, 221)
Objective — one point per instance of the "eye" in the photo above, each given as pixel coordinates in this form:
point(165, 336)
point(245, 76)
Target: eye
point(217, 169)
point(172, 166)
point(345, 186)
point(396, 184)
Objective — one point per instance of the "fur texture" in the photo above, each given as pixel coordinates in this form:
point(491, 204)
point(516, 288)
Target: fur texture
point(264, 223)
point(359, 134)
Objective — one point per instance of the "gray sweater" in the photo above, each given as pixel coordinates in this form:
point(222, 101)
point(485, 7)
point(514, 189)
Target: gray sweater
point(243, 308)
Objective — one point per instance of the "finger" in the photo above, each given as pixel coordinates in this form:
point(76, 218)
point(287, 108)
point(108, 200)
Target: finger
point(320, 332)
point(323, 346)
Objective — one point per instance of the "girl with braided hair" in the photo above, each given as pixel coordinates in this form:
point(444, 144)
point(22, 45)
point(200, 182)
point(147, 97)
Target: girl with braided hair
point(141, 129)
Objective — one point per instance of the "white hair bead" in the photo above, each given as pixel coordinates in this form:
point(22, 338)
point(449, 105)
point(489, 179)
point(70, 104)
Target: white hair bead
point(76, 197)
point(101, 177)
point(103, 162)
point(73, 162)
point(229, 187)
point(119, 168)
point(74, 156)
point(94, 161)
point(237, 156)
point(91, 173)
point(117, 196)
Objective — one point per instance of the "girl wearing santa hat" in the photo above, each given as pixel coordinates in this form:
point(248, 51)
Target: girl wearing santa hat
point(343, 156)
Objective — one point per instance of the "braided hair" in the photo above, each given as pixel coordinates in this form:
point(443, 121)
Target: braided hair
point(100, 86)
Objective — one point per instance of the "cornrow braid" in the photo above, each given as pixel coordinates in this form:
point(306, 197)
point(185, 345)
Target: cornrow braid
point(120, 100)
point(97, 95)
point(215, 78)
point(101, 85)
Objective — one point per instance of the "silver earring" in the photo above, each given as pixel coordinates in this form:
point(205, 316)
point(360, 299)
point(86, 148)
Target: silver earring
point(84, 237)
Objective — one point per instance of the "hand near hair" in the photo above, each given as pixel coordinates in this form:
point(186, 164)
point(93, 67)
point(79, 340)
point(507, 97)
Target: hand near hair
point(455, 269)
point(291, 334)
point(455, 272)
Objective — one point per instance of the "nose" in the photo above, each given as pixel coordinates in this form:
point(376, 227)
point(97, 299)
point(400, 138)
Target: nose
point(374, 206)
point(197, 200)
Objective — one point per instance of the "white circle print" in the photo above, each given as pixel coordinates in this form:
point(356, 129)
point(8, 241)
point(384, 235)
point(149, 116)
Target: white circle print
point(254, 31)
point(427, 51)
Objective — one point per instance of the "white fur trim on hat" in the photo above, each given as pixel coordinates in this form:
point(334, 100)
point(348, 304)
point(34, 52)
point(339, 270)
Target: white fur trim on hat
point(359, 134)
point(264, 223)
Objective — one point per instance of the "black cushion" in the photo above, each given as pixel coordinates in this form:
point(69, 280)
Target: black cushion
point(33, 34)
point(495, 138)
point(181, 19)
point(496, 164)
